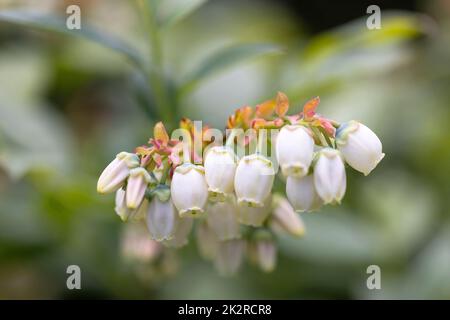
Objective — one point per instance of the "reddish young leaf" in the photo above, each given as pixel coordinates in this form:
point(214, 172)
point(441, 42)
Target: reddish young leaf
point(309, 109)
point(160, 133)
point(266, 108)
point(144, 150)
point(241, 118)
point(282, 104)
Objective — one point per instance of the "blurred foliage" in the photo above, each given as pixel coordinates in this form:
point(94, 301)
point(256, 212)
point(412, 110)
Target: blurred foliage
point(67, 105)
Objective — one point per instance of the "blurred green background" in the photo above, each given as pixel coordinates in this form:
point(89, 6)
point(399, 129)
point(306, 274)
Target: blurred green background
point(68, 105)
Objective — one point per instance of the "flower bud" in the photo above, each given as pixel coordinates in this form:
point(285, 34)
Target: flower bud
point(189, 190)
point(265, 251)
point(181, 235)
point(136, 245)
point(254, 216)
point(162, 219)
point(329, 176)
point(302, 193)
point(222, 219)
point(114, 175)
point(121, 208)
point(158, 173)
point(207, 242)
point(254, 179)
point(294, 150)
point(360, 146)
point(126, 213)
point(285, 219)
point(220, 167)
point(137, 184)
point(141, 212)
point(229, 256)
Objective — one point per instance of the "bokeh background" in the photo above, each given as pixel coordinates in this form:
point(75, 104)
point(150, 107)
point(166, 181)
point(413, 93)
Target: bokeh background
point(68, 105)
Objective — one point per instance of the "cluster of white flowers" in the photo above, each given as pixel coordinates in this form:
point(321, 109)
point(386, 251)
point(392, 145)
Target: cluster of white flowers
point(231, 198)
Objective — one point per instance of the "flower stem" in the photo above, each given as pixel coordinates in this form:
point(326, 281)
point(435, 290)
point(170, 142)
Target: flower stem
point(262, 138)
point(165, 173)
point(155, 70)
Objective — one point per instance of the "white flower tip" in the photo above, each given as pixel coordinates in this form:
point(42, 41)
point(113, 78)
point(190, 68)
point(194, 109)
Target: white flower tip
point(100, 188)
point(216, 195)
point(132, 204)
point(131, 159)
point(294, 170)
point(376, 162)
point(193, 212)
point(332, 201)
point(174, 243)
point(299, 231)
point(162, 238)
point(250, 203)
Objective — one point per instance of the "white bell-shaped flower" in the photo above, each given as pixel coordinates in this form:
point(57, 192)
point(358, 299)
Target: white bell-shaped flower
point(253, 180)
point(189, 191)
point(302, 193)
point(137, 185)
point(136, 246)
point(207, 242)
point(223, 219)
point(162, 219)
point(229, 256)
point(181, 235)
point(220, 167)
point(360, 146)
point(254, 216)
point(329, 176)
point(115, 174)
point(294, 150)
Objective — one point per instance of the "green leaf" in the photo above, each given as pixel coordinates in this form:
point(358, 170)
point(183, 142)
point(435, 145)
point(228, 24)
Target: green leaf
point(57, 24)
point(397, 27)
point(172, 11)
point(225, 58)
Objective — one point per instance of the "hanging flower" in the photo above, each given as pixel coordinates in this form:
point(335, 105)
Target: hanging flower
point(285, 219)
point(360, 146)
point(254, 216)
point(189, 190)
point(220, 167)
point(126, 213)
point(162, 219)
point(121, 207)
point(181, 235)
point(136, 245)
point(223, 220)
point(302, 194)
point(229, 256)
point(207, 241)
point(136, 186)
point(294, 150)
point(115, 174)
point(254, 179)
point(329, 176)
point(264, 250)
